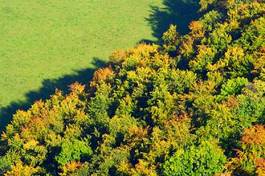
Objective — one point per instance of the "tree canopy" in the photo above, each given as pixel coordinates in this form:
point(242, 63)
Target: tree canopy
point(193, 105)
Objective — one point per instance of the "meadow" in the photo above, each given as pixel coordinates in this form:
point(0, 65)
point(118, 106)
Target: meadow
point(192, 104)
point(50, 44)
point(42, 41)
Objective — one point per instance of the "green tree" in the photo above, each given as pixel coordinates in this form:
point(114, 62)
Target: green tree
point(205, 159)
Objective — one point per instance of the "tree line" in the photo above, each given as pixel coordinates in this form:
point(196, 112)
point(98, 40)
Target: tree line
point(193, 105)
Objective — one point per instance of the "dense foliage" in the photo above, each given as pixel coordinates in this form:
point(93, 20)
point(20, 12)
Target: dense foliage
point(192, 106)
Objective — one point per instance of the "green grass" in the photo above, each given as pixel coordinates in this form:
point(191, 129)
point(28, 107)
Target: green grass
point(47, 39)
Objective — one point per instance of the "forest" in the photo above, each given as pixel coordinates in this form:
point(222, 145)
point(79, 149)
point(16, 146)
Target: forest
point(192, 104)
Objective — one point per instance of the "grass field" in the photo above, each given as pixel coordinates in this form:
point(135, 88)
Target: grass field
point(47, 39)
point(48, 44)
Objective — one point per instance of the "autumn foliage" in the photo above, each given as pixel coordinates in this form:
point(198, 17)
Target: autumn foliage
point(194, 105)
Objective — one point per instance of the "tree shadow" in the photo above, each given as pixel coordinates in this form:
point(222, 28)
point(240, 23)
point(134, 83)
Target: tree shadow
point(178, 12)
point(47, 89)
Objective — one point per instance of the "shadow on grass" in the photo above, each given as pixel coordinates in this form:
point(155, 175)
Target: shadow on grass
point(47, 89)
point(178, 12)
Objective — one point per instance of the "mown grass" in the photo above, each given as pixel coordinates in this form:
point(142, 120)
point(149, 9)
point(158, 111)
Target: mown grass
point(46, 39)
